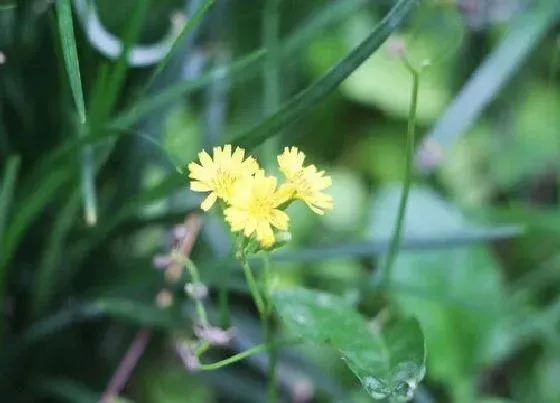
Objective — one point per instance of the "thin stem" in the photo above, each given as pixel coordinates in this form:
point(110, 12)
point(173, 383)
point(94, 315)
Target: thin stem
point(193, 272)
point(397, 234)
point(244, 354)
point(253, 287)
point(269, 333)
point(271, 94)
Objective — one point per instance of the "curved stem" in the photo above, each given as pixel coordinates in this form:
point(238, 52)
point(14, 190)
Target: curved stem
point(199, 306)
point(397, 234)
point(244, 354)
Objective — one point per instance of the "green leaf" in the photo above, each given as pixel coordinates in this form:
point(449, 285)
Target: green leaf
point(69, 50)
point(192, 22)
point(7, 191)
point(389, 365)
point(70, 54)
point(47, 276)
point(235, 71)
point(459, 339)
point(500, 66)
point(25, 215)
point(313, 95)
point(68, 391)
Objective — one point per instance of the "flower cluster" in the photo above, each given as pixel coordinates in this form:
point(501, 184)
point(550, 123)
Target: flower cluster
point(253, 201)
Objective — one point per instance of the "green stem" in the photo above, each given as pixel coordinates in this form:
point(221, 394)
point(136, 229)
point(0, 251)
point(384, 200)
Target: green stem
point(193, 271)
point(253, 288)
point(269, 333)
point(397, 234)
point(223, 297)
point(244, 354)
point(271, 93)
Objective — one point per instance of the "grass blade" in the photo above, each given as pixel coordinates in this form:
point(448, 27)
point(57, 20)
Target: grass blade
point(70, 54)
point(238, 70)
point(7, 191)
point(25, 215)
point(47, 276)
point(313, 95)
point(192, 22)
point(487, 81)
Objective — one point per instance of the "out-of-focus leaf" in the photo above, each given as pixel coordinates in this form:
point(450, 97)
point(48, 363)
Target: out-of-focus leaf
point(7, 192)
point(235, 71)
point(534, 144)
point(191, 23)
point(314, 94)
point(68, 391)
point(457, 337)
point(69, 50)
point(486, 82)
point(27, 212)
point(390, 364)
point(46, 277)
point(70, 53)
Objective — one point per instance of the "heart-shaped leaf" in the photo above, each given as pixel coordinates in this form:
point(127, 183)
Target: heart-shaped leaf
point(388, 364)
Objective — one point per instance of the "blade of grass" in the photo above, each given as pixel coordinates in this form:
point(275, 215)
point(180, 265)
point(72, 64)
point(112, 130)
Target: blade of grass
point(47, 277)
point(314, 94)
point(27, 212)
point(271, 76)
point(487, 81)
point(25, 215)
point(237, 71)
point(7, 191)
point(110, 85)
point(192, 22)
point(70, 54)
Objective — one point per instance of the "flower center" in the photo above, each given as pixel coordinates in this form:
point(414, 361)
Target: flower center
point(302, 185)
point(260, 206)
point(224, 183)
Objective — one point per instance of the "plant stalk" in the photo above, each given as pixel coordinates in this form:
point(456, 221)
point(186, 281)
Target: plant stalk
point(396, 239)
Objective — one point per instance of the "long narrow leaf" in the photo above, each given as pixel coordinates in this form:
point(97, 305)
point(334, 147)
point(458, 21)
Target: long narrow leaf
point(27, 212)
point(69, 51)
point(70, 54)
point(192, 22)
point(7, 191)
point(487, 81)
point(313, 95)
point(47, 276)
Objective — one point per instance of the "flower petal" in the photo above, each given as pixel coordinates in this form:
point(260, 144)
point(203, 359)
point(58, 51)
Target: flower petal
point(200, 187)
point(209, 201)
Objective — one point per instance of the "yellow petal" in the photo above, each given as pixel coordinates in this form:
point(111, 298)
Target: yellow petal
point(200, 187)
point(265, 235)
point(250, 226)
point(205, 159)
point(279, 219)
point(209, 201)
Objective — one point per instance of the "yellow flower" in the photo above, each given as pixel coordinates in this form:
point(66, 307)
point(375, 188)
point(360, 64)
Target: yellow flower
point(254, 208)
point(220, 174)
point(304, 183)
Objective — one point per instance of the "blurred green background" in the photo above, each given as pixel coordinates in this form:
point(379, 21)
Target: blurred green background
point(84, 222)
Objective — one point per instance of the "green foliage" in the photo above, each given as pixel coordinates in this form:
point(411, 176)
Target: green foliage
point(93, 181)
point(389, 365)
